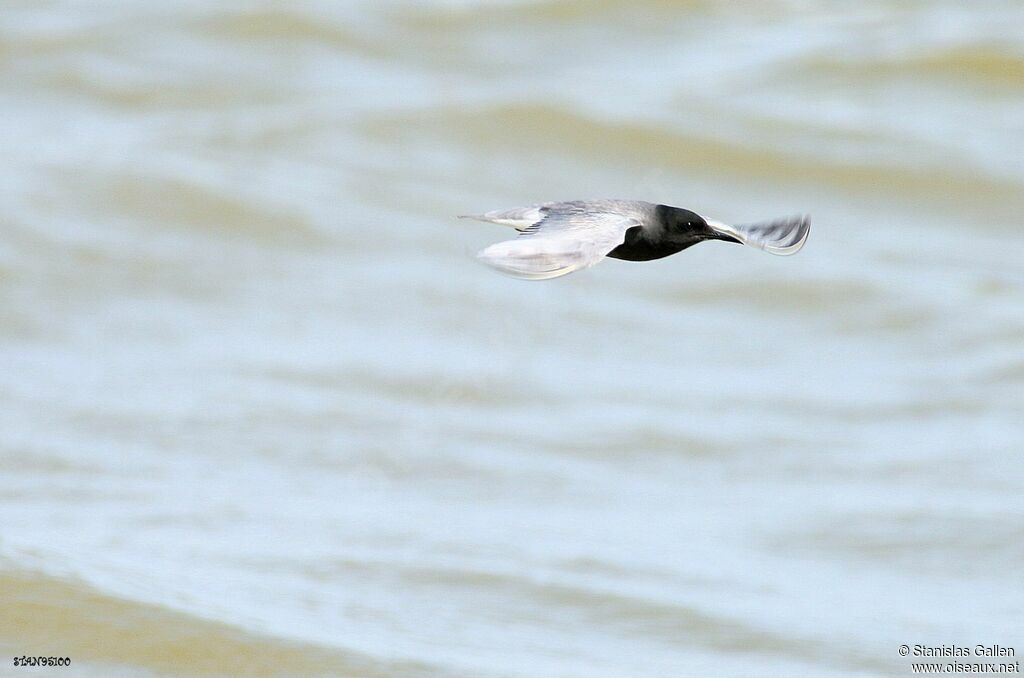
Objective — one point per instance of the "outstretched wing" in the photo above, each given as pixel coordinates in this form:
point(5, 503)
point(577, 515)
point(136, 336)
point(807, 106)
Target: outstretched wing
point(567, 239)
point(779, 236)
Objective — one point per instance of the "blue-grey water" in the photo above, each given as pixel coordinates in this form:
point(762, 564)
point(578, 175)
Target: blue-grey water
point(261, 414)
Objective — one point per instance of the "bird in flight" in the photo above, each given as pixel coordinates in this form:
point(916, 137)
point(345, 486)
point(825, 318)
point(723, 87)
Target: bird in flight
point(557, 238)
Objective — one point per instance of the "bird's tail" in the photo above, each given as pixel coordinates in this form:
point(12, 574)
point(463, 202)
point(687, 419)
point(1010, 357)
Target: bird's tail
point(780, 236)
point(520, 218)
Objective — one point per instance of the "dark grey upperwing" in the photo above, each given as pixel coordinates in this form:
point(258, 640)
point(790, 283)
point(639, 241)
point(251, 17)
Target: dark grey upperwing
point(779, 236)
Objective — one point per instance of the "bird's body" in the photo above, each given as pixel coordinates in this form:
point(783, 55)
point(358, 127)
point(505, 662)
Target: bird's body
point(664, 231)
point(561, 237)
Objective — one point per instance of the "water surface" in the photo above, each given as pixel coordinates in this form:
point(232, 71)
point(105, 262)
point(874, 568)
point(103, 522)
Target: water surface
point(260, 413)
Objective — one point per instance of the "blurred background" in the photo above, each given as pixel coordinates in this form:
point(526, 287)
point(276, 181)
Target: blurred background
point(260, 413)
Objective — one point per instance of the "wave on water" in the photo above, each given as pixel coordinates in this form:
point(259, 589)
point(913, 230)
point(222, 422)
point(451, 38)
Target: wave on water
point(959, 64)
point(529, 129)
point(259, 415)
point(192, 204)
point(45, 615)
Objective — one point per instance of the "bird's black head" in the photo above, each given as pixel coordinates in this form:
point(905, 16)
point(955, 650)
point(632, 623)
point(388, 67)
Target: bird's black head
point(678, 221)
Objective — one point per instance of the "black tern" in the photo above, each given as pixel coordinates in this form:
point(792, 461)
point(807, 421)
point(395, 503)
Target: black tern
point(557, 238)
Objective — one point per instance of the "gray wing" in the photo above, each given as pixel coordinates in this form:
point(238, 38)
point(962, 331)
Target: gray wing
point(780, 236)
point(568, 238)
